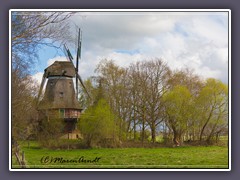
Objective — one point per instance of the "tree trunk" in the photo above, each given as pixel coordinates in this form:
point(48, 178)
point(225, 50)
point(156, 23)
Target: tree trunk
point(176, 138)
point(143, 130)
point(201, 133)
point(134, 129)
point(153, 130)
point(204, 126)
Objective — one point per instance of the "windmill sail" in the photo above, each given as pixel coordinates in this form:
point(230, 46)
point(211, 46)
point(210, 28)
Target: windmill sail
point(70, 58)
point(77, 60)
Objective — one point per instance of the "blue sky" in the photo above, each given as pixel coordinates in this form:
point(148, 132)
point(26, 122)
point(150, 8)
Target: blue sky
point(198, 40)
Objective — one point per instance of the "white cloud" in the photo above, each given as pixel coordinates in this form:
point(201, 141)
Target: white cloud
point(38, 77)
point(198, 40)
point(58, 58)
point(124, 60)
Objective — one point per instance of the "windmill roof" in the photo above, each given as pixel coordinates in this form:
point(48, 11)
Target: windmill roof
point(61, 68)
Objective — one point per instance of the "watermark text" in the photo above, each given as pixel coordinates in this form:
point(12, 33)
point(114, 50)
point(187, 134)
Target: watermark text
point(61, 160)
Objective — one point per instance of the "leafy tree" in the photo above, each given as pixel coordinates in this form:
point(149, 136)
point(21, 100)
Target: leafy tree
point(194, 83)
point(178, 110)
point(50, 130)
point(148, 95)
point(212, 108)
point(98, 125)
point(135, 93)
point(114, 88)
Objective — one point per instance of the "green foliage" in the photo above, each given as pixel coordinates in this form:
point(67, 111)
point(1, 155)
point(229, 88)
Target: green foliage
point(178, 109)
point(50, 131)
point(98, 124)
point(178, 105)
point(212, 108)
point(84, 100)
point(148, 93)
point(213, 93)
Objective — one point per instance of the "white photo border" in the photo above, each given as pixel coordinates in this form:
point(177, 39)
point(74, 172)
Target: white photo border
point(125, 10)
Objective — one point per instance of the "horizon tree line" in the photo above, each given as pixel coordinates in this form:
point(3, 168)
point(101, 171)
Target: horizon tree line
point(149, 97)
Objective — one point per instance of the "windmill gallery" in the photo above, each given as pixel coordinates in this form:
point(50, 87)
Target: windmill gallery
point(60, 99)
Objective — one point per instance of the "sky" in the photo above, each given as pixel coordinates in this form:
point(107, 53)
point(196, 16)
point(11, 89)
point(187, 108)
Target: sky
point(197, 40)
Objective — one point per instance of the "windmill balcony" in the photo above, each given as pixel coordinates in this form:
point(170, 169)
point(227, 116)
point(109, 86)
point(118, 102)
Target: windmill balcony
point(69, 114)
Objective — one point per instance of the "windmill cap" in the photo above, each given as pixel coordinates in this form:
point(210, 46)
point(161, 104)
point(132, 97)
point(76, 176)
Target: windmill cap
point(60, 68)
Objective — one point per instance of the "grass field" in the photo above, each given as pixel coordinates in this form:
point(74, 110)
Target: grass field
point(180, 157)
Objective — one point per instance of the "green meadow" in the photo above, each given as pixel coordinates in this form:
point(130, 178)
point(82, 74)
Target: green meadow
point(162, 158)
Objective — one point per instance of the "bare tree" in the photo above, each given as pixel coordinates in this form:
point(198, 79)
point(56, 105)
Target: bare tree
point(24, 111)
point(114, 85)
point(29, 32)
point(152, 81)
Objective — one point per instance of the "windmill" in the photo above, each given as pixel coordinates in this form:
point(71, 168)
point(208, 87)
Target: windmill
point(60, 98)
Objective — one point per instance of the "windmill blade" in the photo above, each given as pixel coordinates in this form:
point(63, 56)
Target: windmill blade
point(65, 52)
point(41, 86)
point(76, 87)
point(81, 81)
point(79, 57)
point(77, 60)
point(80, 44)
point(79, 47)
point(68, 53)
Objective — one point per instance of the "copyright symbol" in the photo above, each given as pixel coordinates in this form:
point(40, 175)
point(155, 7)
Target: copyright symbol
point(45, 160)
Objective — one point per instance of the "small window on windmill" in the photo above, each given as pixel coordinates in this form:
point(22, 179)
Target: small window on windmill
point(61, 94)
point(61, 113)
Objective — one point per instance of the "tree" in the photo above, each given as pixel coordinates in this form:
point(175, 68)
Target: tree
point(135, 93)
point(178, 110)
point(97, 124)
point(194, 83)
point(212, 107)
point(149, 80)
point(32, 30)
point(114, 86)
point(50, 131)
point(24, 113)
point(29, 32)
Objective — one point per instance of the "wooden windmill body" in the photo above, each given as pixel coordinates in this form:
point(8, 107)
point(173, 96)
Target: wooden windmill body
point(60, 99)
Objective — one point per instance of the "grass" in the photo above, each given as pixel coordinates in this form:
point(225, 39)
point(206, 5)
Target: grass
point(180, 157)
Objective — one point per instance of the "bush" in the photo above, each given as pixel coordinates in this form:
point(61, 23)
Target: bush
point(98, 125)
point(50, 132)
